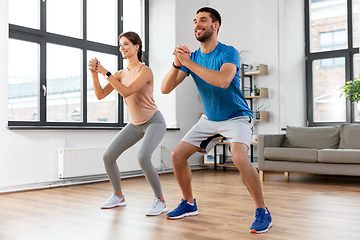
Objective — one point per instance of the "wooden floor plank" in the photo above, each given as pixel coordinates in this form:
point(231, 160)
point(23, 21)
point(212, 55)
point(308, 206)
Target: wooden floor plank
point(305, 207)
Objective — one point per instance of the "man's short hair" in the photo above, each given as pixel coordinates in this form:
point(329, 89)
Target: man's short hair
point(215, 15)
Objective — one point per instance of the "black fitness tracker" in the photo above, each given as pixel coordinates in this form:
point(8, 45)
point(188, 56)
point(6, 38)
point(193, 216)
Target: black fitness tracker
point(108, 74)
point(177, 67)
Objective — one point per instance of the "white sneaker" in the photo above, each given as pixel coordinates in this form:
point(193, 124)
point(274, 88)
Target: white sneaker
point(114, 201)
point(157, 208)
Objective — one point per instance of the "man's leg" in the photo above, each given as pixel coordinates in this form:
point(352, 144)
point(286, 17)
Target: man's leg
point(250, 177)
point(182, 169)
point(248, 173)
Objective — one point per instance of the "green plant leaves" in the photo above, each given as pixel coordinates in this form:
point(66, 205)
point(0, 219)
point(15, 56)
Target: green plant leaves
point(352, 90)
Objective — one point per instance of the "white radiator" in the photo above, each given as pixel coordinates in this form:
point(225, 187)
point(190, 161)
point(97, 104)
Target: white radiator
point(80, 162)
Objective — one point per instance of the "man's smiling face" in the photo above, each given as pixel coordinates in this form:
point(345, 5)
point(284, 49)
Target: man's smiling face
point(204, 27)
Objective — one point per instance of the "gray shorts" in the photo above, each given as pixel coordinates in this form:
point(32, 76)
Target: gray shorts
point(206, 133)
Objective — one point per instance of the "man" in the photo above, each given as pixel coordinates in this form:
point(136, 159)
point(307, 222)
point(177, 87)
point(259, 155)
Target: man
point(215, 70)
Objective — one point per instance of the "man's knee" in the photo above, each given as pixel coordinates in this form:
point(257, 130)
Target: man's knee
point(239, 154)
point(176, 156)
point(182, 152)
point(240, 159)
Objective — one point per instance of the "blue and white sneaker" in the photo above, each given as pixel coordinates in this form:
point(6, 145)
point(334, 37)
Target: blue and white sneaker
point(184, 209)
point(262, 221)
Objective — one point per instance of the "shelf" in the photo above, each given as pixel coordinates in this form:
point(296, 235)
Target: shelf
point(219, 165)
point(225, 165)
point(264, 116)
point(224, 143)
point(264, 93)
point(262, 70)
point(223, 154)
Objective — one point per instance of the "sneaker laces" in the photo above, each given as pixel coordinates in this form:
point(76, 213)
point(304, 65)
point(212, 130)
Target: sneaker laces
point(115, 196)
point(260, 216)
point(183, 202)
point(155, 203)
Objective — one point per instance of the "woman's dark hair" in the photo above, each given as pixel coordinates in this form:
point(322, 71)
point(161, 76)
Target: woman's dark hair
point(135, 39)
point(215, 15)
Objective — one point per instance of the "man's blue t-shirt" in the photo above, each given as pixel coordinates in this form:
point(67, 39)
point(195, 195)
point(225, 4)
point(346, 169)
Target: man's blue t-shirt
point(220, 104)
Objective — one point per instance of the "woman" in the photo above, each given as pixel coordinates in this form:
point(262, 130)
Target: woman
point(135, 84)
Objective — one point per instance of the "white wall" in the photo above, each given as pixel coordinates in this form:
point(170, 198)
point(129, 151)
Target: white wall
point(292, 63)
point(271, 32)
point(262, 27)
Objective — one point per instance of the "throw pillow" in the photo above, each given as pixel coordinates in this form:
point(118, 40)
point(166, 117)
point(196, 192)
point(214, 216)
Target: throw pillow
point(312, 137)
point(350, 136)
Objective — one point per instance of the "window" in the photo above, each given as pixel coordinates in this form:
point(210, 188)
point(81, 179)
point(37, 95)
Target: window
point(332, 41)
point(332, 47)
point(23, 81)
point(328, 106)
point(49, 84)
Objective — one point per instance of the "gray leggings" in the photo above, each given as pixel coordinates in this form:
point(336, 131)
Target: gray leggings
point(152, 133)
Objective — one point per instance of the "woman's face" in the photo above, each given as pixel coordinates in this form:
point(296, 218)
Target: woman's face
point(127, 48)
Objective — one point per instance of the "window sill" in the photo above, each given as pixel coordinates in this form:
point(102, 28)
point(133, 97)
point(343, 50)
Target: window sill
point(68, 128)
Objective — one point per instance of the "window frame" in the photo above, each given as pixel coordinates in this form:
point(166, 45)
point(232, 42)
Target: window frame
point(348, 53)
point(333, 64)
point(42, 37)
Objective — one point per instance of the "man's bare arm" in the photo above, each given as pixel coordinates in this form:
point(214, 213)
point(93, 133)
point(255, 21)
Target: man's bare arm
point(220, 78)
point(172, 79)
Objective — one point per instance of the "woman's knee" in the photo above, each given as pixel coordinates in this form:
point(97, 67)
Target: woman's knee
point(108, 159)
point(144, 159)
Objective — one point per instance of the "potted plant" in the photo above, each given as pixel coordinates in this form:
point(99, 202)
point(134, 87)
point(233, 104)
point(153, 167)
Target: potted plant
point(352, 91)
point(256, 91)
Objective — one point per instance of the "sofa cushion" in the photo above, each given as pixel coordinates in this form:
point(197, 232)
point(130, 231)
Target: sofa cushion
point(339, 156)
point(291, 154)
point(312, 137)
point(350, 136)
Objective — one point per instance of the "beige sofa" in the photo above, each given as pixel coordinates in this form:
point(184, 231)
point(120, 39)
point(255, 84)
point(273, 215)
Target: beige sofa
point(318, 150)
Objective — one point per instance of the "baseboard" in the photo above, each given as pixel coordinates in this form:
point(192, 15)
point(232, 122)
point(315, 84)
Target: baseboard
point(79, 180)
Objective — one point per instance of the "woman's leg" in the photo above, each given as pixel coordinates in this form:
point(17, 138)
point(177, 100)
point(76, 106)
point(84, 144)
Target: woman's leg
point(153, 136)
point(127, 137)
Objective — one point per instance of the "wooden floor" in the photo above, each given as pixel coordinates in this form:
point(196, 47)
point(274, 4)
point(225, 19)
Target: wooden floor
point(307, 207)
